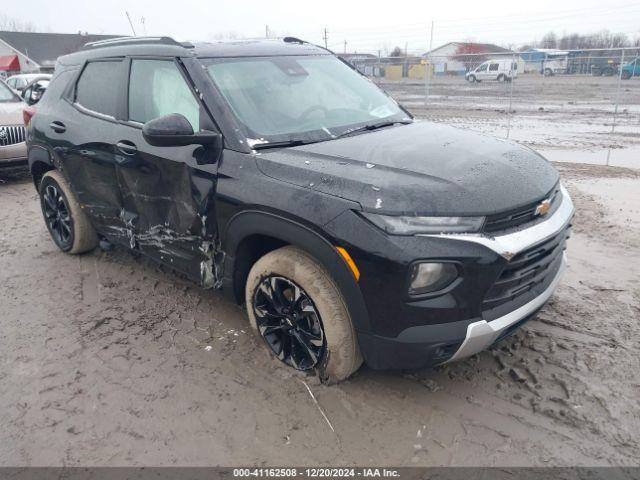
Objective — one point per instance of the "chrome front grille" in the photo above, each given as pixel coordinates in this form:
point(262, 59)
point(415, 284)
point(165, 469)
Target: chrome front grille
point(536, 265)
point(521, 216)
point(10, 135)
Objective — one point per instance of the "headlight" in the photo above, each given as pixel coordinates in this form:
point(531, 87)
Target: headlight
point(430, 277)
point(413, 225)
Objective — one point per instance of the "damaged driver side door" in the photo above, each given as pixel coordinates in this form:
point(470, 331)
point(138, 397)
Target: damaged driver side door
point(168, 192)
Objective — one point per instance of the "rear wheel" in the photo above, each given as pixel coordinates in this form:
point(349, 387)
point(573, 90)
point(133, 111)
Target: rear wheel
point(297, 309)
point(67, 223)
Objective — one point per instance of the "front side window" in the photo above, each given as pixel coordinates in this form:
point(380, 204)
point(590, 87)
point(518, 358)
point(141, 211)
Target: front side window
point(493, 67)
point(98, 87)
point(309, 98)
point(6, 95)
point(156, 88)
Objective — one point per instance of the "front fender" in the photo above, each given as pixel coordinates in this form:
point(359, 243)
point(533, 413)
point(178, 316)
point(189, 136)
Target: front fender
point(255, 222)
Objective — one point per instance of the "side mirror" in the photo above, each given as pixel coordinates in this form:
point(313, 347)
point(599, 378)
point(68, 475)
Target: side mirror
point(174, 130)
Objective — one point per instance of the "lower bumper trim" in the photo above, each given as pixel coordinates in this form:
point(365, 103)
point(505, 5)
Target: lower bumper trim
point(483, 334)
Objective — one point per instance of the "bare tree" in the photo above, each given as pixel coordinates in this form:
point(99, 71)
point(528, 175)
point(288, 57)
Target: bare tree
point(14, 25)
point(549, 41)
point(470, 54)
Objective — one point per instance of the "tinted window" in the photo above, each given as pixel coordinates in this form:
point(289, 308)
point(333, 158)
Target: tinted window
point(97, 89)
point(56, 86)
point(493, 67)
point(157, 88)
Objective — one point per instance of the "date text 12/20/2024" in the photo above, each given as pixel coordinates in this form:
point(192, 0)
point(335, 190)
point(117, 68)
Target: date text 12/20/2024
point(315, 472)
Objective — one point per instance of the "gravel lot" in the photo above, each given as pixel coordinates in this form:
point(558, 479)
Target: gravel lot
point(109, 360)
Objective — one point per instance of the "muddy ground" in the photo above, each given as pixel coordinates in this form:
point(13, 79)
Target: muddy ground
point(569, 118)
point(107, 359)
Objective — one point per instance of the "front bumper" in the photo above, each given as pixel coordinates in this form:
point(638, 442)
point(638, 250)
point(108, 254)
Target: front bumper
point(430, 344)
point(482, 334)
point(13, 155)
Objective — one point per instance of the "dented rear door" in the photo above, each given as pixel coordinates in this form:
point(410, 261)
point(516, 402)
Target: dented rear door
point(168, 192)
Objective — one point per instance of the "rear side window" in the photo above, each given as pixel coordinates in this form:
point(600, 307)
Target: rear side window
point(97, 88)
point(57, 86)
point(157, 88)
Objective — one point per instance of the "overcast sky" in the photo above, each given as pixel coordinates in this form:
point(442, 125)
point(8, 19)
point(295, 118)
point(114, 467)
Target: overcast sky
point(366, 26)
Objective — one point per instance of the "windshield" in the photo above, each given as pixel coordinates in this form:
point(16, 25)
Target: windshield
point(300, 98)
point(6, 94)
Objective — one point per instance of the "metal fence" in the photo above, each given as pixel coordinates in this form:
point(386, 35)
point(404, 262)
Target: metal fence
point(575, 105)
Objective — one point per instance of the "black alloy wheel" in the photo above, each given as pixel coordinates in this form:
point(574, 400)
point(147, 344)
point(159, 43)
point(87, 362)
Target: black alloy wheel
point(56, 214)
point(288, 321)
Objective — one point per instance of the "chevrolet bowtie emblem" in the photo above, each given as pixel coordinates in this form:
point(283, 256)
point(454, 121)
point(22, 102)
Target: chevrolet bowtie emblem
point(543, 208)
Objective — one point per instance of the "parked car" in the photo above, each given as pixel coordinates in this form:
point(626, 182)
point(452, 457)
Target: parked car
point(13, 150)
point(501, 70)
point(605, 67)
point(20, 81)
point(631, 69)
point(276, 172)
point(555, 63)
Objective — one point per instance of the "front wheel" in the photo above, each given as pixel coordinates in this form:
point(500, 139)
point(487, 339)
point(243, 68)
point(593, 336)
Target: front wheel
point(67, 223)
point(501, 77)
point(472, 78)
point(297, 309)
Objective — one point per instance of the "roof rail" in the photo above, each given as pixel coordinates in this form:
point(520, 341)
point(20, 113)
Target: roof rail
point(112, 42)
point(302, 42)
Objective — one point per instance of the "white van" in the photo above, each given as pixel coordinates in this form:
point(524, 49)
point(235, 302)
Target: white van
point(500, 70)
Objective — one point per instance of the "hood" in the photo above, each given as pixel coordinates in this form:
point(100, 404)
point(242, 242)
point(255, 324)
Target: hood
point(422, 168)
point(11, 113)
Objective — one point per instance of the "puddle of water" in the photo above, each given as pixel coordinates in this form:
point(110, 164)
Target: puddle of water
point(617, 157)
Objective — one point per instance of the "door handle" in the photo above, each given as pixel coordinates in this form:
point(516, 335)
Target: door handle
point(58, 127)
point(127, 147)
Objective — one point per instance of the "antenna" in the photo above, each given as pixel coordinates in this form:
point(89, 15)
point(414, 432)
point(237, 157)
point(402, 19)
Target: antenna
point(325, 38)
point(131, 24)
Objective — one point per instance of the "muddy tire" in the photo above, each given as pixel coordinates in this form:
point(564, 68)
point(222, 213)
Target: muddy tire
point(297, 309)
point(67, 223)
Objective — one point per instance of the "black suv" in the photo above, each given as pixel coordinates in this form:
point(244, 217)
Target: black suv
point(275, 171)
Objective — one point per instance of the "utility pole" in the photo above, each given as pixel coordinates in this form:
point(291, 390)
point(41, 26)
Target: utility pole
point(266, 31)
point(131, 24)
point(427, 69)
point(326, 45)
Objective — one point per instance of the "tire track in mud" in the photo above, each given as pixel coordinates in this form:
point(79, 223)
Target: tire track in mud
point(108, 363)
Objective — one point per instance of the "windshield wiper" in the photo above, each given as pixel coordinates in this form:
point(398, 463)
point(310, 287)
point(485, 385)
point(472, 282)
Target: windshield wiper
point(373, 126)
point(286, 143)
